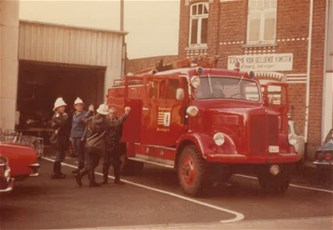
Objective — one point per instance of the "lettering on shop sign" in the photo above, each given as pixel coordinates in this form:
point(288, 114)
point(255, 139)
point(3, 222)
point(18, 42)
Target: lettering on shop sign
point(262, 62)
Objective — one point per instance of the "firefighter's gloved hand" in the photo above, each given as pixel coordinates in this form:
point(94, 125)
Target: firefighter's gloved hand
point(91, 107)
point(127, 110)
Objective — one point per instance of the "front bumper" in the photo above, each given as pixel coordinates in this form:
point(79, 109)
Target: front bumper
point(323, 163)
point(34, 167)
point(6, 186)
point(253, 159)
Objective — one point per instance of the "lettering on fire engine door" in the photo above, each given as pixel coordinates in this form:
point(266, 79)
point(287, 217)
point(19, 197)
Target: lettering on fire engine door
point(164, 118)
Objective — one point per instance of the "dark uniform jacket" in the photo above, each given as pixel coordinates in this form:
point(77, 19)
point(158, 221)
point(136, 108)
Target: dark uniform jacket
point(96, 129)
point(113, 134)
point(61, 124)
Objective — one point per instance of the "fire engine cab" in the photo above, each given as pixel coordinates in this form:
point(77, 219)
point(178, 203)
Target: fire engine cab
point(207, 124)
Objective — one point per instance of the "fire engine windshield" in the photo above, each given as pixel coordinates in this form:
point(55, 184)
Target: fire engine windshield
point(213, 87)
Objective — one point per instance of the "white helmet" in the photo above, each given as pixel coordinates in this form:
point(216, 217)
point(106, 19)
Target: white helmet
point(59, 102)
point(78, 101)
point(103, 109)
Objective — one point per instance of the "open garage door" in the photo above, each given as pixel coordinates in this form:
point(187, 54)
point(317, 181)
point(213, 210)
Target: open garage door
point(40, 84)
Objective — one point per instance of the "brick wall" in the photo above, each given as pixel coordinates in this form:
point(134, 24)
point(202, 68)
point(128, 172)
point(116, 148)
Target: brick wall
point(134, 65)
point(317, 73)
point(227, 27)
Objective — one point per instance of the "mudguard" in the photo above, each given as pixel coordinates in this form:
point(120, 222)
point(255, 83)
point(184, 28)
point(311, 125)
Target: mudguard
point(205, 143)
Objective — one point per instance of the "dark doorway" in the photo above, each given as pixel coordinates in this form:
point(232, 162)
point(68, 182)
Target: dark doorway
point(39, 84)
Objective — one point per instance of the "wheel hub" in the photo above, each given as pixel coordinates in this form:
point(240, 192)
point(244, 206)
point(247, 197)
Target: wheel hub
point(188, 171)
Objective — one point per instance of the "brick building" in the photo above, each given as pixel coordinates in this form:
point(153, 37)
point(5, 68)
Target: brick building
point(281, 40)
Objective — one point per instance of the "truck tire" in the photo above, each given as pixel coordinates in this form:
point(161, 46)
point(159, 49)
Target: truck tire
point(192, 169)
point(275, 183)
point(130, 167)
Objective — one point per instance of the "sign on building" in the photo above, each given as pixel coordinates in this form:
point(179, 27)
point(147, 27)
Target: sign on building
point(262, 62)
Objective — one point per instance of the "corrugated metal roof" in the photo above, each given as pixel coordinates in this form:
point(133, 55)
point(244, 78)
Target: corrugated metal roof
point(68, 44)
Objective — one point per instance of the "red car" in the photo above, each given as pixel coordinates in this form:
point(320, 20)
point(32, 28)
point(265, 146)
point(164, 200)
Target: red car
point(17, 162)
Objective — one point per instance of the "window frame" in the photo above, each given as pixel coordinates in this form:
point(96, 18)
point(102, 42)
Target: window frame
point(199, 18)
point(261, 14)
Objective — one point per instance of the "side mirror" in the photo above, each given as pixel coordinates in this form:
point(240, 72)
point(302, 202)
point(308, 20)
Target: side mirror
point(180, 94)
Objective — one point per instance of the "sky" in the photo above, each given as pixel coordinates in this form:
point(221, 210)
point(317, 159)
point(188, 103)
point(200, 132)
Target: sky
point(152, 25)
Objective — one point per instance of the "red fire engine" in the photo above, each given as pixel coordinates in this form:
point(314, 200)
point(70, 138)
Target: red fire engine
point(207, 123)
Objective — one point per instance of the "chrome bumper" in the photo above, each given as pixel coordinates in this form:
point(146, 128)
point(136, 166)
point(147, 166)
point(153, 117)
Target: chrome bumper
point(10, 185)
point(326, 163)
point(34, 167)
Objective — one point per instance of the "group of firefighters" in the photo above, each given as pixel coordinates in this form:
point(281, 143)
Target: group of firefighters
point(92, 136)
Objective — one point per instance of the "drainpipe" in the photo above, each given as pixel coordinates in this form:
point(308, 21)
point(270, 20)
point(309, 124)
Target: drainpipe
point(123, 46)
point(307, 102)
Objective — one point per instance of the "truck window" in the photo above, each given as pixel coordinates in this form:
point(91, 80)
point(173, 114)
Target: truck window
point(135, 89)
point(216, 87)
point(173, 85)
point(276, 95)
point(152, 89)
point(251, 91)
point(162, 88)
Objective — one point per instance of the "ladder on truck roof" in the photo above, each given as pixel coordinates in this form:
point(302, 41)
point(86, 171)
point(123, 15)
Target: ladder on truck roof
point(203, 61)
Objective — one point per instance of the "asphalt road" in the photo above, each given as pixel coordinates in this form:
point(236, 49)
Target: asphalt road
point(153, 200)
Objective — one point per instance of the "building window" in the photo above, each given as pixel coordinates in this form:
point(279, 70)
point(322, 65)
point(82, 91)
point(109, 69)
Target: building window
point(261, 21)
point(198, 24)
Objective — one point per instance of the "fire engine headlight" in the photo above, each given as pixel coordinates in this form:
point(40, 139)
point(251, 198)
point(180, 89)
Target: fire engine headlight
point(219, 139)
point(195, 81)
point(192, 111)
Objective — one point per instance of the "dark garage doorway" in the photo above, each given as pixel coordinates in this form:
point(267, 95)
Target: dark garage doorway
point(39, 84)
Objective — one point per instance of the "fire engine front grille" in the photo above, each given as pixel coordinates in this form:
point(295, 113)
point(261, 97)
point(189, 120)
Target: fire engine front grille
point(263, 131)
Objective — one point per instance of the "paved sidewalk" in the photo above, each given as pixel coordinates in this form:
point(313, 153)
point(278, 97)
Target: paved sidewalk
point(287, 224)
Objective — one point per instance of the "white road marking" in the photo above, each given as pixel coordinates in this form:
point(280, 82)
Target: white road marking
point(291, 185)
point(238, 216)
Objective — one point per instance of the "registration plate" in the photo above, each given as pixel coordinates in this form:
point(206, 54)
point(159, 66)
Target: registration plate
point(273, 149)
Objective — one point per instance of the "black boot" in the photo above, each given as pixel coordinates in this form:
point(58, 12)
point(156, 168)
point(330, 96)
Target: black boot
point(79, 176)
point(56, 171)
point(79, 168)
point(59, 171)
point(105, 174)
point(117, 176)
point(92, 181)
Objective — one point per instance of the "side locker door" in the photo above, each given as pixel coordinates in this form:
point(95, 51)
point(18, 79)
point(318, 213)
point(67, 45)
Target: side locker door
point(149, 111)
point(134, 98)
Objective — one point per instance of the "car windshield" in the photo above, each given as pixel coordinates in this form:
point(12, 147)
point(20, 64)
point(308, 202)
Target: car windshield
point(212, 87)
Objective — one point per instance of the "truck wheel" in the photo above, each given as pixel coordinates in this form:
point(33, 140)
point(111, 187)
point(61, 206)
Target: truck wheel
point(191, 171)
point(278, 183)
point(130, 167)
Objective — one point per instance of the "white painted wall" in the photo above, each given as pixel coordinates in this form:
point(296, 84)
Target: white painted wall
point(55, 43)
point(8, 62)
point(327, 121)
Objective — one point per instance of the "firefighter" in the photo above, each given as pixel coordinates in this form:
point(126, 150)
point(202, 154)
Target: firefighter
point(61, 127)
point(77, 131)
point(96, 128)
point(112, 150)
